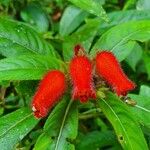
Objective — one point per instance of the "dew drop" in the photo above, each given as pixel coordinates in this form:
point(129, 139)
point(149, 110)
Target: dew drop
point(13, 41)
point(20, 137)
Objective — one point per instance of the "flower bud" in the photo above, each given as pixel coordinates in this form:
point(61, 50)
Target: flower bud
point(49, 91)
point(79, 50)
point(81, 75)
point(109, 69)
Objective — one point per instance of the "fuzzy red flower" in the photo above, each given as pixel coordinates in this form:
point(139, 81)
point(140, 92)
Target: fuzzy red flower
point(81, 75)
point(110, 70)
point(49, 91)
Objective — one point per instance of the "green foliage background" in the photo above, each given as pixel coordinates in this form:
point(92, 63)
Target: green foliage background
point(37, 36)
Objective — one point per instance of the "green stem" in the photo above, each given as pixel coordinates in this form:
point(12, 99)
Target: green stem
point(84, 117)
point(92, 110)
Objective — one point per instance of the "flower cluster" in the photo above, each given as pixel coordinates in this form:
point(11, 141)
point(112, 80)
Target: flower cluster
point(81, 71)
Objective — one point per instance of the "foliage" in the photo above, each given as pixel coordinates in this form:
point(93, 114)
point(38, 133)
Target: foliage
point(37, 36)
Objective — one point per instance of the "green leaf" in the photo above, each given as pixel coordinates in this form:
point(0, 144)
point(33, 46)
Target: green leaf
point(146, 58)
point(83, 36)
point(35, 15)
point(120, 17)
point(145, 90)
point(14, 127)
point(60, 128)
point(17, 38)
point(6, 3)
point(129, 4)
point(143, 4)
point(71, 19)
point(123, 122)
point(135, 56)
point(27, 67)
point(141, 110)
point(91, 6)
point(95, 140)
point(125, 36)
point(23, 87)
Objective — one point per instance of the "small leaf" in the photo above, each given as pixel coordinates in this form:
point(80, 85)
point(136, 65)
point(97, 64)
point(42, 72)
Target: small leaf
point(123, 122)
point(141, 111)
point(27, 67)
point(60, 128)
point(145, 90)
point(17, 38)
point(91, 6)
point(71, 19)
point(35, 15)
point(14, 127)
point(135, 56)
point(125, 34)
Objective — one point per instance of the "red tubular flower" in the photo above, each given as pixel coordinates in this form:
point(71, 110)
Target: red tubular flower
point(81, 75)
point(110, 70)
point(49, 91)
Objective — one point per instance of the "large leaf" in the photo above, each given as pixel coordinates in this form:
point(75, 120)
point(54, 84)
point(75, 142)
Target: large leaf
point(124, 123)
point(120, 17)
point(14, 126)
point(119, 38)
point(83, 36)
point(17, 38)
point(71, 19)
point(60, 128)
point(27, 67)
point(141, 109)
point(91, 6)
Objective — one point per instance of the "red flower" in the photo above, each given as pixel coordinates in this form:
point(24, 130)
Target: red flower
point(81, 75)
point(109, 68)
point(49, 91)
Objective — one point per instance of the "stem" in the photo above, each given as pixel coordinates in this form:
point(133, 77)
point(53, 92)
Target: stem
point(84, 117)
point(91, 111)
point(95, 112)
